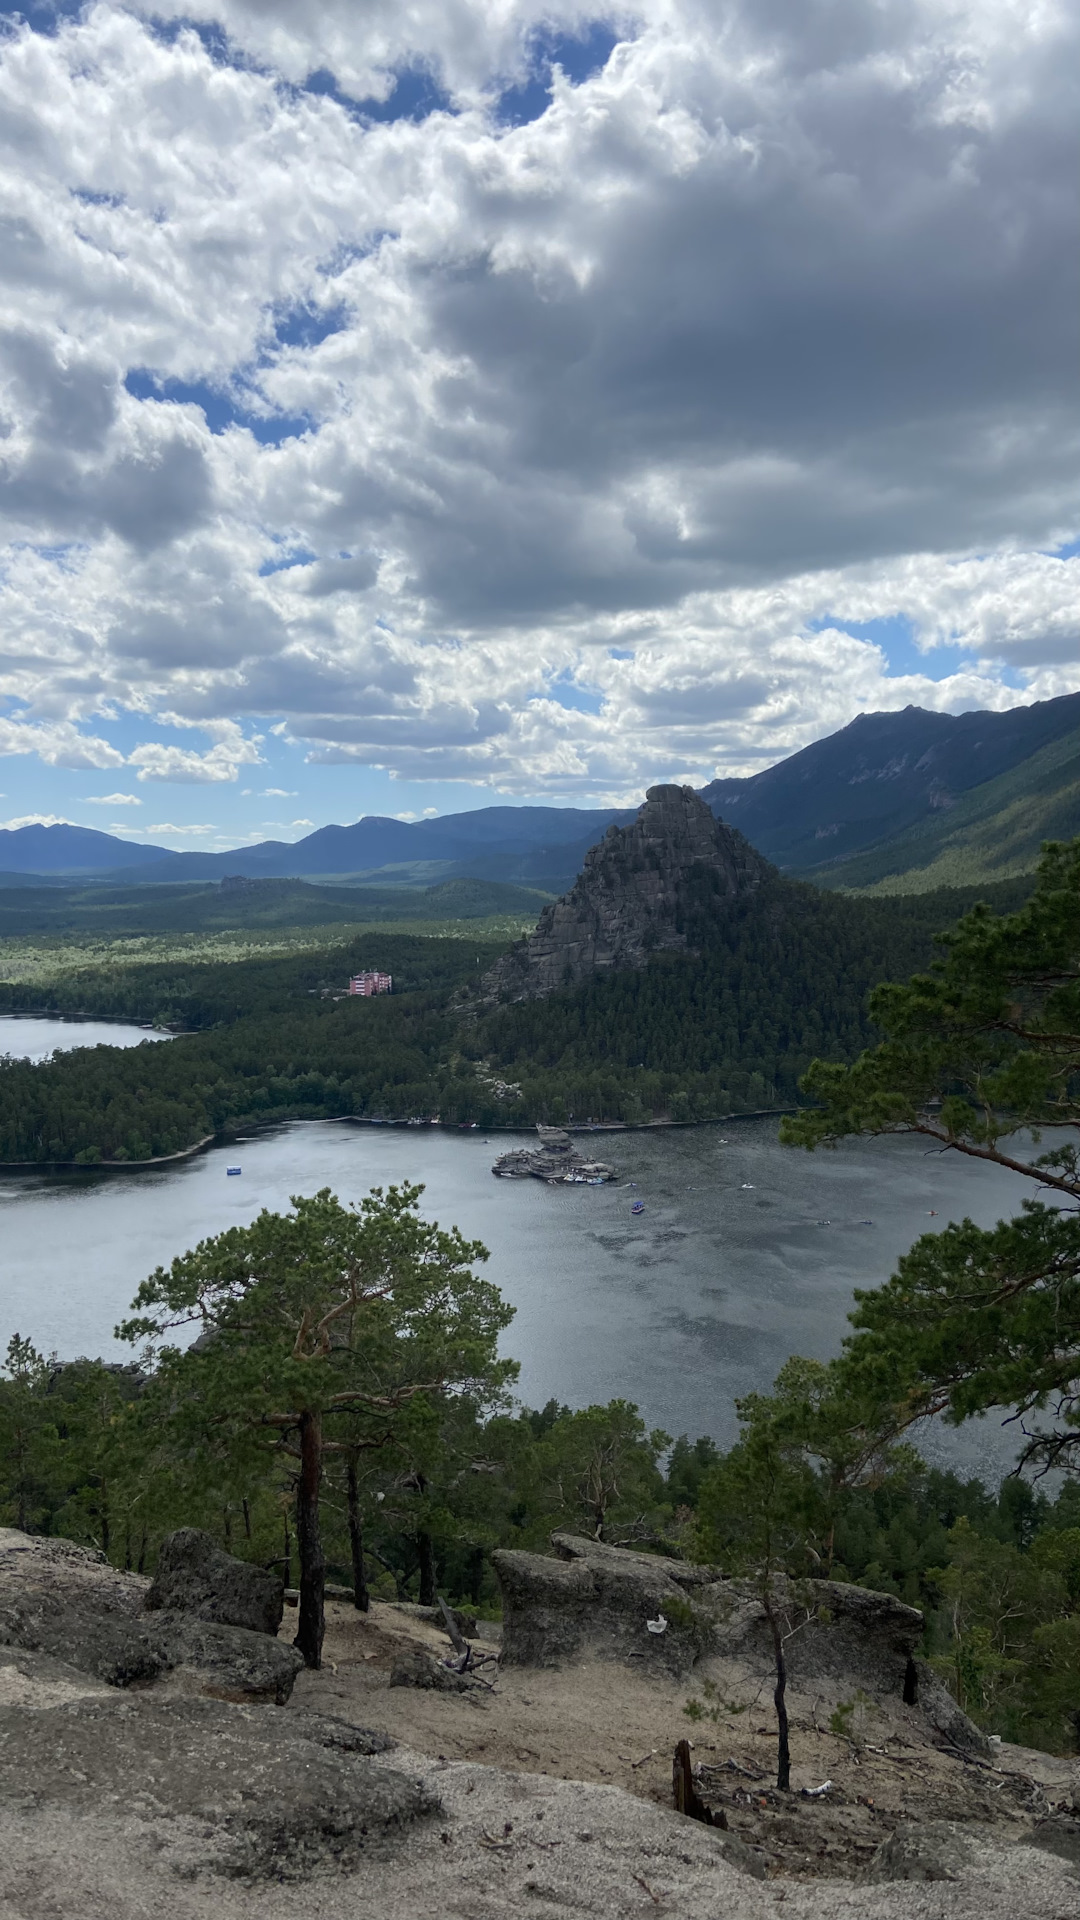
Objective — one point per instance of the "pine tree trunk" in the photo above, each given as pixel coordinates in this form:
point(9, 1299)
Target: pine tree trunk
point(426, 1549)
point(361, 1596)
point(783, 1762)
point(309, 1632)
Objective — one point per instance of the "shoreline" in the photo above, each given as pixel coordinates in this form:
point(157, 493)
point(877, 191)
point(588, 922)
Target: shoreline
point(522, 1129)
point(109, 1166)
point(252, 1128)
point(82, 1018)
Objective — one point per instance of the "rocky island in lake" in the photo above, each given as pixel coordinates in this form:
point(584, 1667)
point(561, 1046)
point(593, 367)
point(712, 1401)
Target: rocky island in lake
point(555, 1160)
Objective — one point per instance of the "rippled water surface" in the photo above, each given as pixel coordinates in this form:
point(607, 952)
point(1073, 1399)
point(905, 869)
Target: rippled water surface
point(745, 1253)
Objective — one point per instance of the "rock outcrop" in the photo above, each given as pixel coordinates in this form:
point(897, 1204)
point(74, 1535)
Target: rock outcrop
point(147, 1804)
point(195, 1576)
point(595, 1600)
point(601, 1602)
point(421, 1669)
point(641, 890)
point(60, 1600)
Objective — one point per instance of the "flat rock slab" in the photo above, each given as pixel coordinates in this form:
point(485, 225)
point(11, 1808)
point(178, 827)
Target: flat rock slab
point(503, 1847)
point(241, 1792)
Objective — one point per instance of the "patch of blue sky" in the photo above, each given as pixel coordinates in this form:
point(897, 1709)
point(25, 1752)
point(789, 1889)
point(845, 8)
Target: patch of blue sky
point(344, 255)
point(415, 95)
point(895, 635)
point(59, 552)
point(88, 197)
point(620, 653)
point(569, 693)
point(580, 55)
point(216, 42)
point(219, 409)
point(292, 557)
point(1068, 552)
point(42, 16)
point(305, 325)
point(280, 798)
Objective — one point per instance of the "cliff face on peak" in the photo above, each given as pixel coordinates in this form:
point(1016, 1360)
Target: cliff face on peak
point(637, 893)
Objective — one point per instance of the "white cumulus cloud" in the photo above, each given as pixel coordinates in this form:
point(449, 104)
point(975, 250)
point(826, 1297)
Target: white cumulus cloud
point(554, 456)
point(185, 766)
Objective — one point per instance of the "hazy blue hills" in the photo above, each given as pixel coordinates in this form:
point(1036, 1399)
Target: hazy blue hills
point(539, 847)
point(880, 777)
point(906, 801)
point(69, 850)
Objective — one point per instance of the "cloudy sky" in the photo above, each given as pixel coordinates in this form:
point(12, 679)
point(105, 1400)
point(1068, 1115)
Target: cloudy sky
point(411, 404)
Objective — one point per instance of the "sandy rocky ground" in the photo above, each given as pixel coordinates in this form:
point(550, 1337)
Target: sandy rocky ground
point(545, 1793)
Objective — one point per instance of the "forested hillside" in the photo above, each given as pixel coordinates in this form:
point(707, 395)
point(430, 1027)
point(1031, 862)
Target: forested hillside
point(984, 836)
point(120, 912)
point(784, 978)
point(886, 775)
point(275, 1044)
point(87, 1453)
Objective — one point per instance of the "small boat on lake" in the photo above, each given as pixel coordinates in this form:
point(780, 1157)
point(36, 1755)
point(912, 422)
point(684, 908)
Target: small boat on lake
point(232, 1172)
point(638, 1206)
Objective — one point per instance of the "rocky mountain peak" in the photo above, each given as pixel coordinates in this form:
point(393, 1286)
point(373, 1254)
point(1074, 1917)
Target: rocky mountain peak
point(638, 891)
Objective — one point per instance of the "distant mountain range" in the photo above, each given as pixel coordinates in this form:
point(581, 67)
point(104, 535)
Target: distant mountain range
point(893, 782)
point(540, 847)
point(897, 802)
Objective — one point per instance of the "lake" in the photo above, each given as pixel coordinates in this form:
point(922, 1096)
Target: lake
point(746, 1251)
point(36, 1039)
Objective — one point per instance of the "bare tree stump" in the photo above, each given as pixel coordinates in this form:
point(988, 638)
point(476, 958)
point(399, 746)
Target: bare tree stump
point(684, 1793)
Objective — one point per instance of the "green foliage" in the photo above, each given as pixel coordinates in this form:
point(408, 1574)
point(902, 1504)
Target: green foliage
point(997, 1577)
point(842, 1717)
point(350, 1312)
point(115, 1458)
point(782, 975)
point(275, 1045)
point(28, 1436)
point(688, 1463)
point(760, 1505)
point(264, 1037)
point(327, 1330)
point(982, 1058)
point(596, 1471)
point(1014, 1658)
point(993, 830)
point(272, 908)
